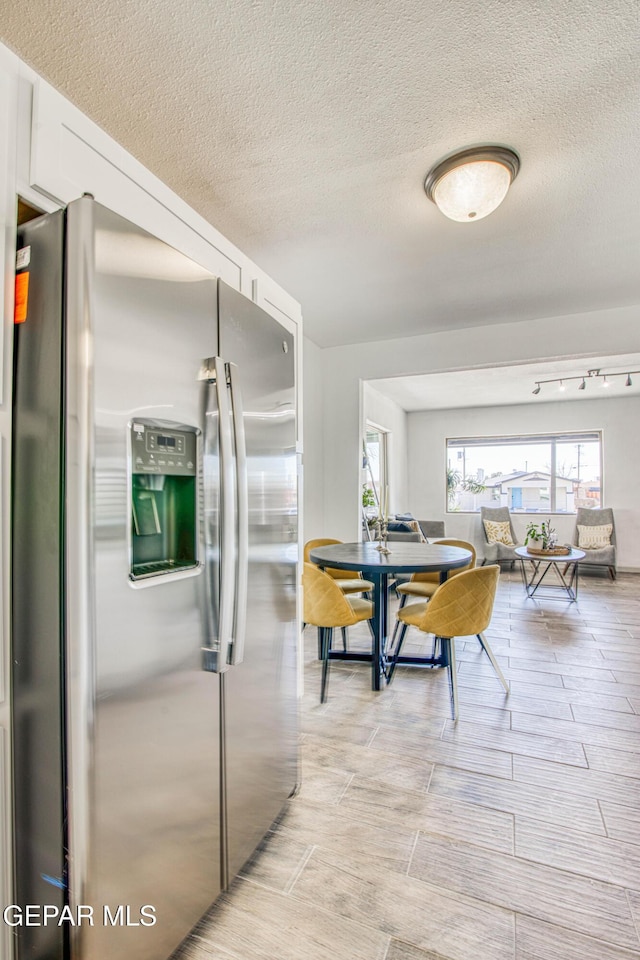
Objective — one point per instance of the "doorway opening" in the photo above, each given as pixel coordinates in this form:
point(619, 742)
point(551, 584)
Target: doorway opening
point(375, 473)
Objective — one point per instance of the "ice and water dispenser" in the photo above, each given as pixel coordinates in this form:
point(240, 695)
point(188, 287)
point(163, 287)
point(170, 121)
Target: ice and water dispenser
point(164, 498)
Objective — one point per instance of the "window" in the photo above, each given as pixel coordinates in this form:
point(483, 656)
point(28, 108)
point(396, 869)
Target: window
point(546, 473)
point(375, 469)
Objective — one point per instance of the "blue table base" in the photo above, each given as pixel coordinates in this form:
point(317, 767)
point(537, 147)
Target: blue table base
point(385, 660)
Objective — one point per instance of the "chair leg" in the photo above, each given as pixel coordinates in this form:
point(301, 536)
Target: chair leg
point(612, 572)
point(396, 652)
point(494, 663)
point(403, 633)
point(344, 638)
point(403, 600)
point(449, 651)
point(327, 637)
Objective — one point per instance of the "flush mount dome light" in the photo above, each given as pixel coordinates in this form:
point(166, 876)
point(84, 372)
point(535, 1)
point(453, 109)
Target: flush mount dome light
point(469, 185)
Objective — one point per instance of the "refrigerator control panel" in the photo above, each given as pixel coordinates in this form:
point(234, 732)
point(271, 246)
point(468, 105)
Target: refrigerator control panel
point(170, 443)
point(162, 451)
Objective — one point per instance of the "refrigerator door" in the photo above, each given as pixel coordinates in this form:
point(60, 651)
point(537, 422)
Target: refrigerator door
point(259, 688)
point(143, 716)
point(37, 582)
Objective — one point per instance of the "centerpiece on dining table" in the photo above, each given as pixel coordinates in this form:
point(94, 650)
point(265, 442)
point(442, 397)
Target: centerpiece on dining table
point(382, 524)
point(541, 540)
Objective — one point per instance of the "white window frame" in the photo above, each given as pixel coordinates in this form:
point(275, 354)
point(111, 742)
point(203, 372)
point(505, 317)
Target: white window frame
point(384, 433)
point(552, 439)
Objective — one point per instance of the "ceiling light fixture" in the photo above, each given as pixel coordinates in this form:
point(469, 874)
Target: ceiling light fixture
point(595, 375)
point(472, 183)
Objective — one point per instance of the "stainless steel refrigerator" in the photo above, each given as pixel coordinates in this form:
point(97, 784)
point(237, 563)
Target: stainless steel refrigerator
point(154, 531)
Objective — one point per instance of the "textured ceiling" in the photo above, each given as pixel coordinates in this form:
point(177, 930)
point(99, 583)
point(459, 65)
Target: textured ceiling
point(303, 131)
point(506, 386)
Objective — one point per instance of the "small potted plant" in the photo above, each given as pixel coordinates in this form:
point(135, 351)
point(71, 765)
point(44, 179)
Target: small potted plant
point(369, 506)
point(368, 497)
point(541, 536)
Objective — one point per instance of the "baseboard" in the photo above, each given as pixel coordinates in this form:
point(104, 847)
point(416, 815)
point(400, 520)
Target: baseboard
point(619, 569)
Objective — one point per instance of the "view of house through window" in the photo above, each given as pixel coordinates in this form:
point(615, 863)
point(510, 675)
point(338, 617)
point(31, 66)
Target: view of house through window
point(375, 469)
point(528, 474)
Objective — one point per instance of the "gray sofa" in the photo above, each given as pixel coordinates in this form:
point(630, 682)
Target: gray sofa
point(498, 552)
point(431, 529)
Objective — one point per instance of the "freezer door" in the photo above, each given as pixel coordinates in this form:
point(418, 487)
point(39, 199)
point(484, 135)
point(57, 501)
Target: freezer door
point(36, 591)
point(259, 688)
point(143, 715)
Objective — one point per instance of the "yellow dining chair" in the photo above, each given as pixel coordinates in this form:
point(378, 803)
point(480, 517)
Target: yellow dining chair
point(349, 581)
point(326, 607)
point(424, 585)
point(460, 607)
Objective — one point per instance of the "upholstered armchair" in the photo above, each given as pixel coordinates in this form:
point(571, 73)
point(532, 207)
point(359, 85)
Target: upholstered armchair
point(596, 556)
point(498, 552)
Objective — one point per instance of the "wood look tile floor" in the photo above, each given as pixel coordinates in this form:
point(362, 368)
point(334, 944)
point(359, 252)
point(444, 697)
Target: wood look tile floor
point(511, 835)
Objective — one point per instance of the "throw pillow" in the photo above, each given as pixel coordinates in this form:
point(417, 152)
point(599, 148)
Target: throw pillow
point(594, 538)
point(415, 526)
point(499, 531)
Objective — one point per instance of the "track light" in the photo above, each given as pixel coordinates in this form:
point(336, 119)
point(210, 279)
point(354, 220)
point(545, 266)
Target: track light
point(594, 374)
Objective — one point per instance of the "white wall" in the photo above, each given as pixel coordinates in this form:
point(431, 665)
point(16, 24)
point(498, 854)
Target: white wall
point(314, 385)
point(611, 332)
point(386, 413)
point(617, 418)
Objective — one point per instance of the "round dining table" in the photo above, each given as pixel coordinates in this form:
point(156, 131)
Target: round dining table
point(403, 557)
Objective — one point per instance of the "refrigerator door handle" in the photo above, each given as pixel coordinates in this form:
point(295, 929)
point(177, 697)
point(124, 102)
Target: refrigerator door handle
point(215, 657)
point(242, 500)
